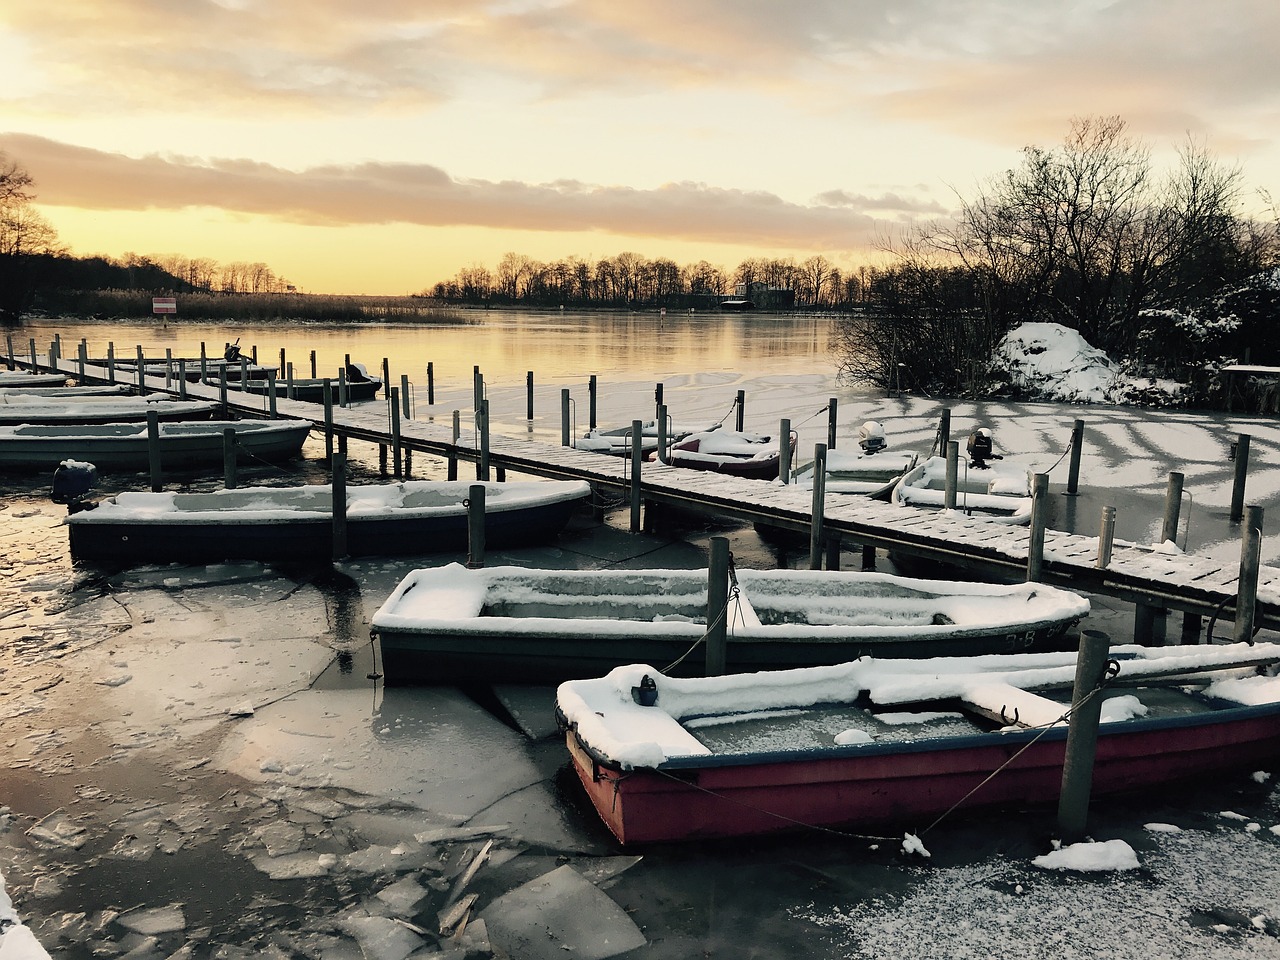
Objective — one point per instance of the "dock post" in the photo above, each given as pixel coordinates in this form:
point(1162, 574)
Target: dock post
point(397, 457)
point(564, 417)
point(111, 363)
point(637, 438)
point(831, 423)
point(1106, 537)
point(819, 503)
point(717, 606)
point(328, 420)
point(8, 352)
point(453, 451)
point(868, 557)
point(592, 390)
point(82, 357)
point(1250, 561)
point(229, 457)
point(657, 395)
point(31, 345)
point(271, 392)
point(1240, 453)
point(222, 393)
point(944, 430)
point(153, 451)
point(952, 450)
point(784, 450)
point(168, 368)
point(291, 387)
point(1039, 520)
point(663, 439)
point(343, 393)
point(283, 367)
point(386, 374)
point(833, 553)
point(244, 373)
point(338, 480)
point(482, 465)
point(313, 364)
point(1073, 470)
point(182, 378)
point(1172, 508)
point(475, 526)
point(741, 403)
point(142, 374)
point(1082, 735)
point(528, 395)
point(404, 397)
point(477, 387)
point(431, 384)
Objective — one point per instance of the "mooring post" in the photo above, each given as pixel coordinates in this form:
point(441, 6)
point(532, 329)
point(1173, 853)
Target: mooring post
point(313, 365)
point(453, 450)
point(344, 396)
point(663, 439)
point(637, 438)
point(338, 479)
point(1106, 537)
point(328, 421)
point(1082, 735)
point(111, 363)
point(717, 606)
point(397, 457)
point(528, 395)
point(8, 352)
point(952, 480)
point(475, 526)
point(31, 344)
point(283, 366)
point(944, 430)
point(405, 412)
point(431, 383)
point(229, 457)
point(482, 465)
point(819, 504)
point(153, 450)
point(1073, 470)
point(1241, 455)
point(564, 417)
point(1250, 561)
point(592, 388)
point(142, 373)
point(657, 395)
point(271, 392)
point(244, 372)
point(477, 387)
point(741, 403)
point(82, 358)
point(182, 378)
point(831, 423)
point(168, 368)
point(868, 557)
point(291, 389)
point(386, 373)
point(784, 450)
point(1039, 521)
point(222, 393)
point(1172, 508)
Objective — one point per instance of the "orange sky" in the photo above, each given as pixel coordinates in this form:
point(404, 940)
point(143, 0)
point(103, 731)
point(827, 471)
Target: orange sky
point(378, 148)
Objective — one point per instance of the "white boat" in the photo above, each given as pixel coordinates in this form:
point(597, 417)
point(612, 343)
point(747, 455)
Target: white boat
point(528, 625)
point(731, 452)
point(985, 484)
point(296, 523)
point(16, 408)
point(25, 378)
point(870, 471)
point(617, 440)
point(61, 390)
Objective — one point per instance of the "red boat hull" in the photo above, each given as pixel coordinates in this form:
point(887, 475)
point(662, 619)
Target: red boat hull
point(908, 787)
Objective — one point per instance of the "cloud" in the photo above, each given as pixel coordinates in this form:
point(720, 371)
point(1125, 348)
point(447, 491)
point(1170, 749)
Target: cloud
point(377, 192)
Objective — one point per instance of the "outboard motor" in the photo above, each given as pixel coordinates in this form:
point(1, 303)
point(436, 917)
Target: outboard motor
point(72, 482)
point(356, 373)
point(232, 353)
point(871, 437)
point(981, 449)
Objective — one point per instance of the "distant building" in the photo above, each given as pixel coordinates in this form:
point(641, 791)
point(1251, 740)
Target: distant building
point(765, 297)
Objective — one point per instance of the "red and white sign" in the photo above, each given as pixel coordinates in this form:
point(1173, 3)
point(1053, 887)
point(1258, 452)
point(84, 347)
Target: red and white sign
point(164, 304)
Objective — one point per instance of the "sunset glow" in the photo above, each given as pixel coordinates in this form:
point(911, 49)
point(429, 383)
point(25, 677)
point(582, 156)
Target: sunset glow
point(378, 148)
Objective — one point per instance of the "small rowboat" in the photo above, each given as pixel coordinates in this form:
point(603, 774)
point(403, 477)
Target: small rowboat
point(23, 408)
point(749, 455)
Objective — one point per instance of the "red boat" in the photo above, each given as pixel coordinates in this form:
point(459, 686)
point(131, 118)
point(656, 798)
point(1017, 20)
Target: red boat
point(666, 759)
point(730, 452)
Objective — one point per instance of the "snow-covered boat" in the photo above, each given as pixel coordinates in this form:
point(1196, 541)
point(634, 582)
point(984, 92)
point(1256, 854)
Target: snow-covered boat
point(525, 625)
point(296, 523)
point(617, 440)
point(360, 386)
point(25, 378)
point(18, 408)
point(985, 484)
point(870, 471)
point(750, 455)
point(872, 743)
point(124, 446)
point(61, 390)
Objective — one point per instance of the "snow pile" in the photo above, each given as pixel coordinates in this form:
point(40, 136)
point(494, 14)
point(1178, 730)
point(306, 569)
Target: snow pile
point(1050, 361)
point(1091, 857)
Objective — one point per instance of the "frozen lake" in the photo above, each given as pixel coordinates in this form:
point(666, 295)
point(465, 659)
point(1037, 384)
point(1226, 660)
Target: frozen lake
point(197, 760)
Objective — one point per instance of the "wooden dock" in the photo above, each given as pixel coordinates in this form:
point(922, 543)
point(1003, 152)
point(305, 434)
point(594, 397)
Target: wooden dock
point(1151, 579)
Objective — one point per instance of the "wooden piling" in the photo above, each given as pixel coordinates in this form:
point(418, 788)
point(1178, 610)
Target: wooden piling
point(944, 430)
point(482, 421)
point(657, 395)
point(1073, 469)
point(1242, 471)
point(717, 606)
point(784, 450)
point(1082, 735)
point(453, 450)
point(1172, 508)
point(475, 526)
point(393, 410)
point(1106, 537)
point(431, 384)
point(338, 481)
point(637, 437)
point(404, 397)
point(271, 392)
point(182, 378)
point(153, 451)
point(313, 365)
point(592, 394)
point(344, 394)
point(1250, 561)
point(819, 505)
point(564, 417)
point(528, 395)
point(664, 455)
point(741, 403)
point(328, 421)
point(952, 451)
point(1039, 521)
point(831, 423)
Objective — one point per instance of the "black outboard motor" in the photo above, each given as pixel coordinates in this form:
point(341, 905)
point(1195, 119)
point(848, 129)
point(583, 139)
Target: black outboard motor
point(356, 373)
point(871, 437)
point(981, 449)
point(72, 482)
point(232, 353)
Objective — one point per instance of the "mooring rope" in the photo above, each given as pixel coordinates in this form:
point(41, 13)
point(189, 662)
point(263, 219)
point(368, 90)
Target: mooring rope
point(734, 597)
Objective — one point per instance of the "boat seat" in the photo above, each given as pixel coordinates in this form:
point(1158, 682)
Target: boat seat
point(1011, 706)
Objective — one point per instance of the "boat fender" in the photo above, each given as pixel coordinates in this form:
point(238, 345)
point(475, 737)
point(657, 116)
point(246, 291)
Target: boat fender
point(647, 693)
